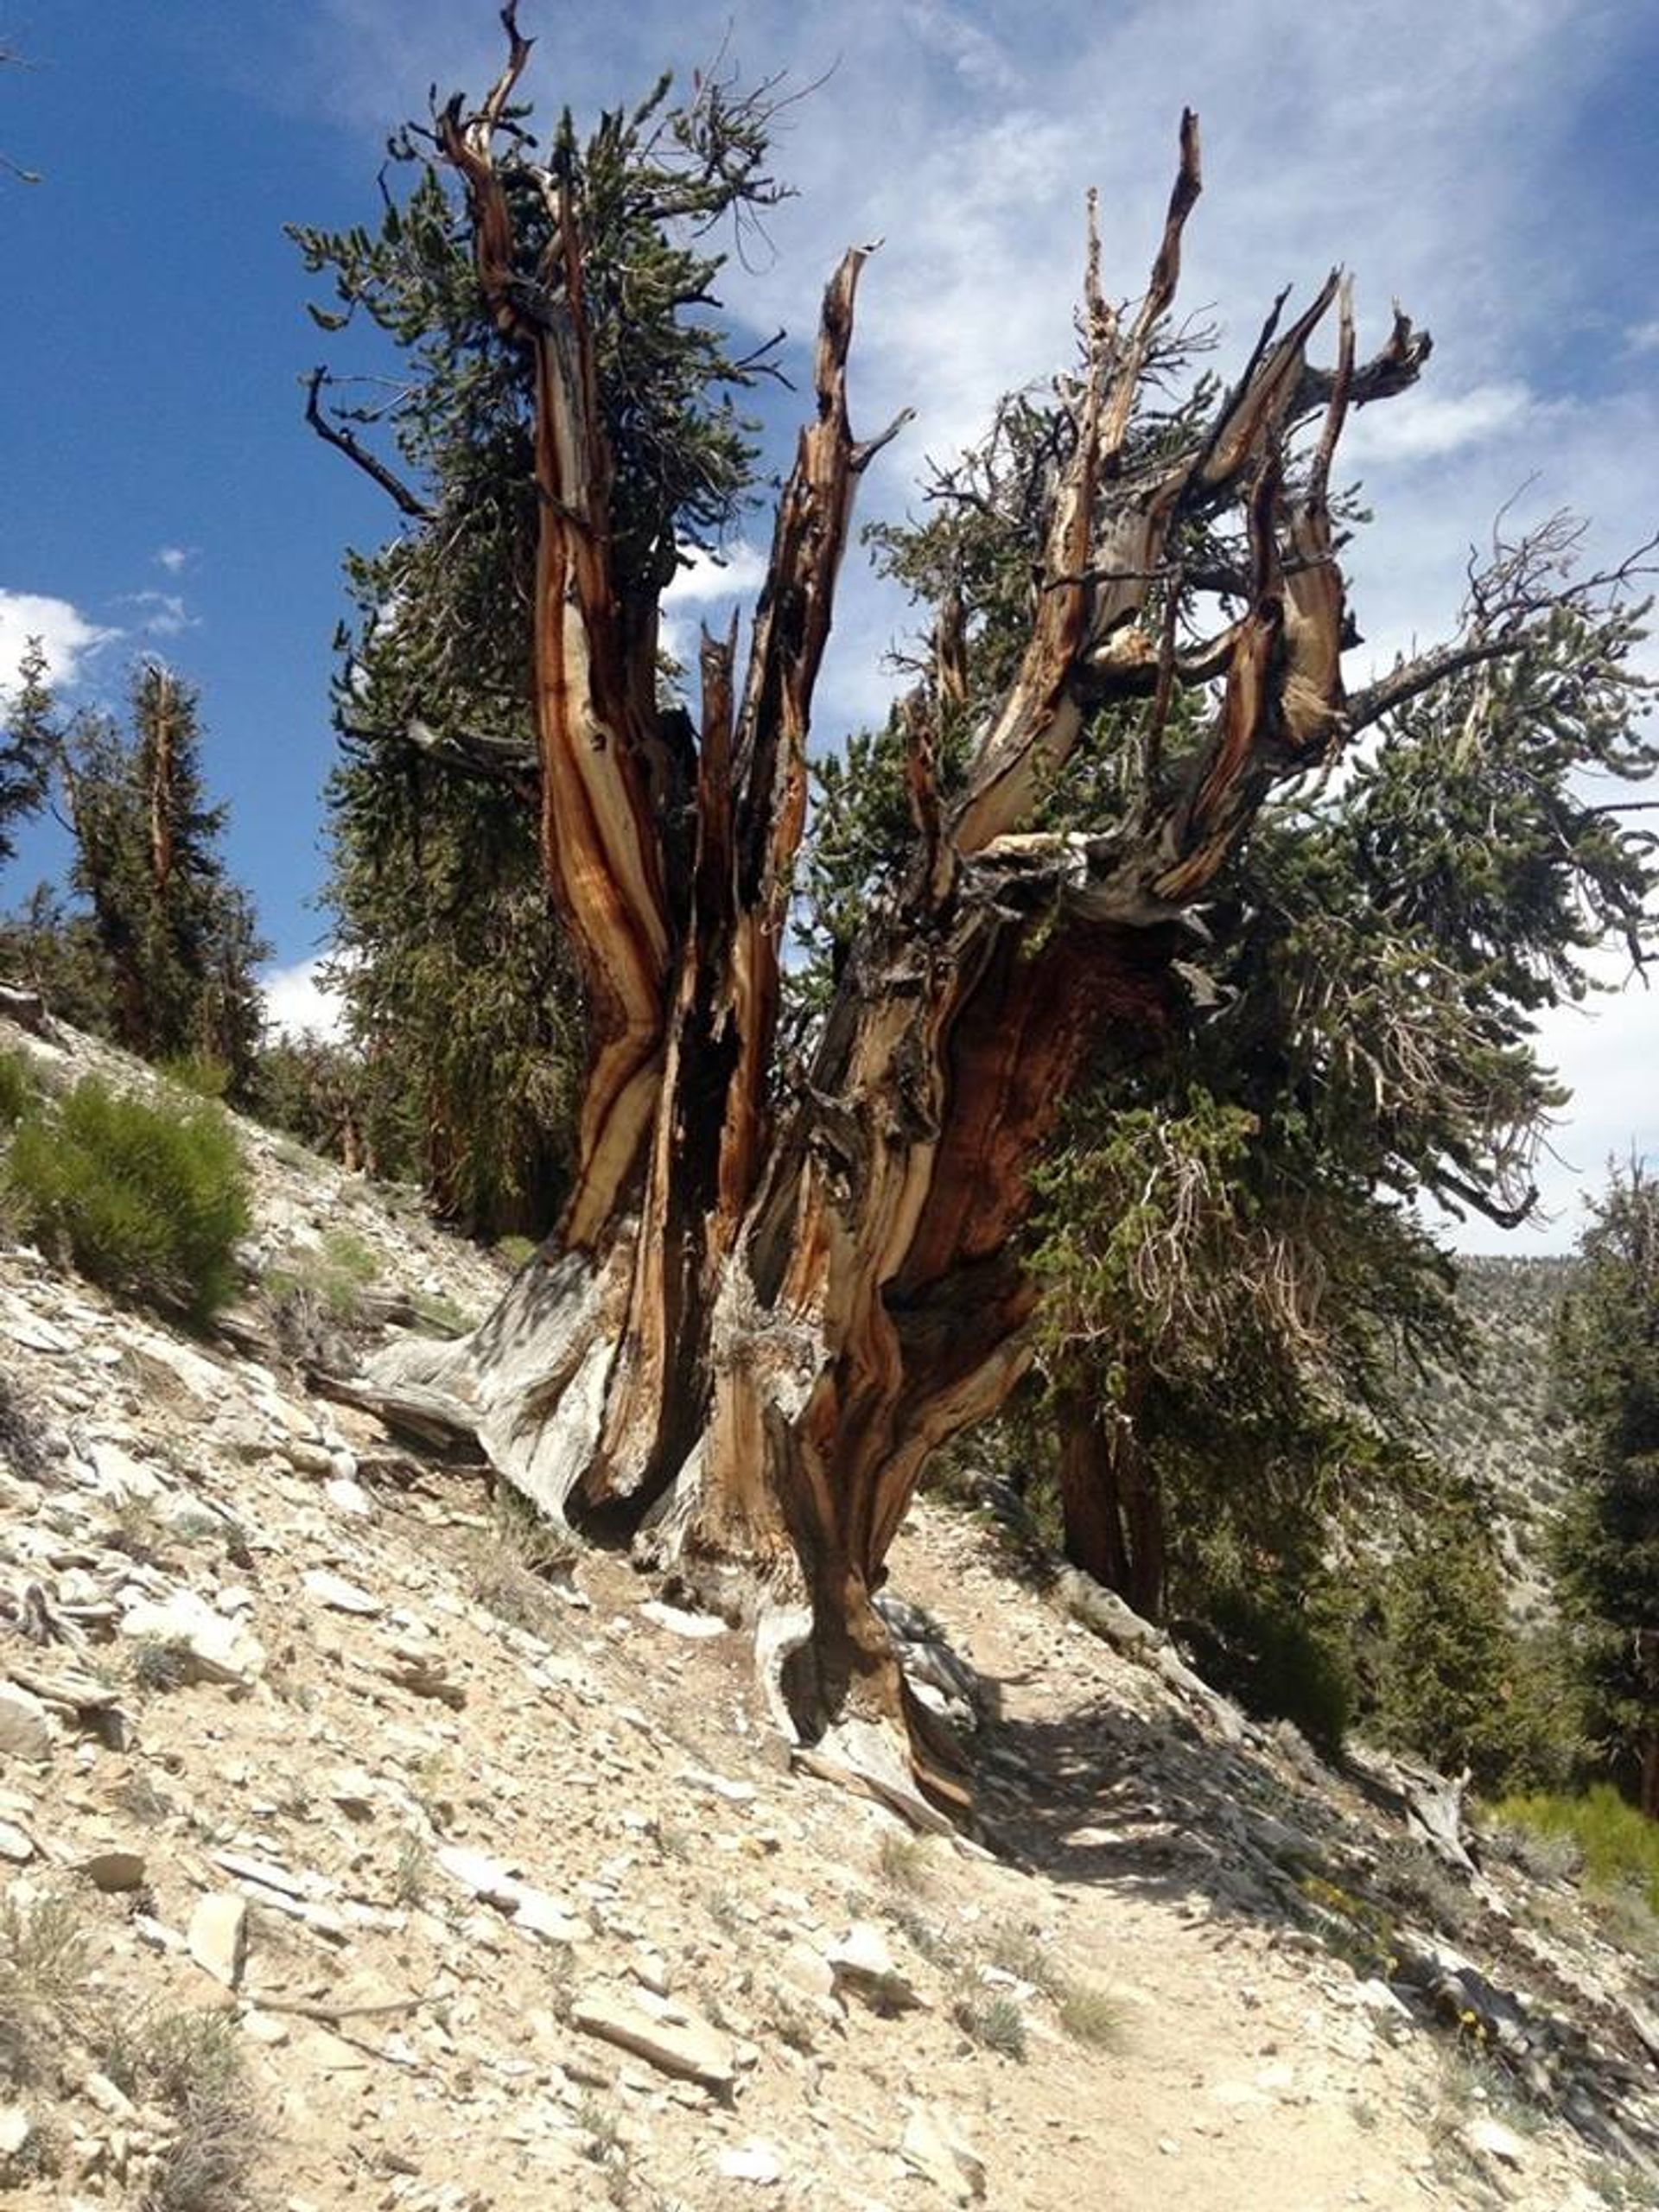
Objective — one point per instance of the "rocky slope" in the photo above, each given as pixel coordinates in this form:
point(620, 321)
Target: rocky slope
point(359, 1847)
point(1499, 1425)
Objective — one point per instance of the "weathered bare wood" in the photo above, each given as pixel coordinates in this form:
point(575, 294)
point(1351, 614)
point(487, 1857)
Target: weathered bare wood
point(428, 1417)
point(600, 832)
point(336, 434)
point(19, 1003)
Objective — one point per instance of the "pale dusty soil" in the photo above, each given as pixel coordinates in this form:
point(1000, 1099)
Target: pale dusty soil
point(629, 1771)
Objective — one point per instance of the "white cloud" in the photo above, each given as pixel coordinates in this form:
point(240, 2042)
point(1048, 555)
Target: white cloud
point(299, 1004)
point(68, 637)
point(704, 579)
point(174, 558)
point(1643, 337)
point(1426, 425)
point(706, 584)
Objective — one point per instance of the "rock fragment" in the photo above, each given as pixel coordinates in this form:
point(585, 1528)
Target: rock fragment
point(935, 2147)
point(755, 2161)
point(25, 1725)
point(114, 1870)
point(214, 1650)
point(683, 2046)
point(217, 1937)
point(341, 1596)
point(862, 1961)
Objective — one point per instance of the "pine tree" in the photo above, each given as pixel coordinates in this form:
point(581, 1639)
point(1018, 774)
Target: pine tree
point(177, 935)
point(1608, 1555)
point(28, 743)
point(463, 1010)
point(462, 996)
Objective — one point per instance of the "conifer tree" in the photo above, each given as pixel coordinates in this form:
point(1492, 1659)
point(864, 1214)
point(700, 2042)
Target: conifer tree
point(1608, 1553)
point(177, 935)
point(28, 746)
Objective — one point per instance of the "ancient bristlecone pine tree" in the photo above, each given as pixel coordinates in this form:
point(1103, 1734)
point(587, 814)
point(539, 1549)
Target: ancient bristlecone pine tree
point(768, 1302)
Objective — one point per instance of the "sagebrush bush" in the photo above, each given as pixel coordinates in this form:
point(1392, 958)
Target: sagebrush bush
point(149, 1200)
point(189, 2063)
point(43, 1961)
point(18, 1089)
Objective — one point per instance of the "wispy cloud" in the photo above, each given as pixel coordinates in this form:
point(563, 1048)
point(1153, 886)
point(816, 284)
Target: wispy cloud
point(159, 613)
point(68, 637)
point(1426, 425)
point(175, 558)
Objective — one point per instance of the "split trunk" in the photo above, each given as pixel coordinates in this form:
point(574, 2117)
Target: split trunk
point(775, 1292)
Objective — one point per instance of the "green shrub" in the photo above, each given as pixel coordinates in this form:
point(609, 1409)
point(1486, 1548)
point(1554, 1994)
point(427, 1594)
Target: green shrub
point(18, 1089)
point(1282, 1661)
point(1620, 1848)
point(201, 1074)
point(1454, 1682)
point(149, 1201)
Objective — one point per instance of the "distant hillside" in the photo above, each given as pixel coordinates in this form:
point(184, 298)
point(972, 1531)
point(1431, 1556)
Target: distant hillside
point(1499, 1426)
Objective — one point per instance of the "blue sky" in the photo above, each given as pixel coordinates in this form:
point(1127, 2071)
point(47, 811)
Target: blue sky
point(1491, 164)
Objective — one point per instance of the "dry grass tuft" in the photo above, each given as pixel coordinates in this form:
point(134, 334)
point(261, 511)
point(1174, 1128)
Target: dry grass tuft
point(43, 1959)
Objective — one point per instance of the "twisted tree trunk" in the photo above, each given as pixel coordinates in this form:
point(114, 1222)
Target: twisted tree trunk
point(763, 1311)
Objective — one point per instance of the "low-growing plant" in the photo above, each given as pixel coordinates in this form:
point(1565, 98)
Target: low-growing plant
point(1628, 1920)
point(43, 1957)
point(1020, 1950)
point(190, 2063)
point(791, 2020)
point(990, 2017)
point(1622, 2188)
point(1545, 1855)
point(925, 1938)
point(160, 1663)
point(545, 1547)
point(347, 1254)
point(1356, 1928)
point(669, 1838)
point(1090, 2014)
point(606, 2145)
point(22, 1439)
point(1619, 1848)
point(411, 1877)
point(439, 1315)
point(149, 1200)
point(503, 1585)
point(902, 1860)
point(202, 1074)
